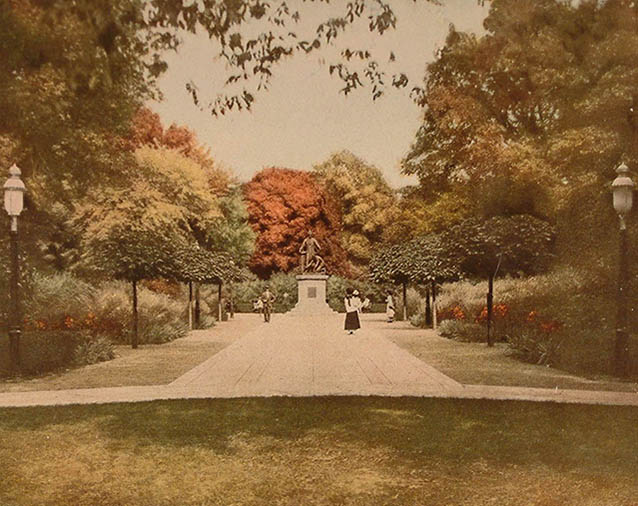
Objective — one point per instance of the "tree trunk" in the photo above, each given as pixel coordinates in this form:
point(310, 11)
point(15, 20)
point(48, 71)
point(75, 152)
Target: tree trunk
point(190, 305)
point(134, 340)
point(490, 302)
point(428, 309)
point(434, 317)
point(405, 301)
point(219, 302)
point(198, 309)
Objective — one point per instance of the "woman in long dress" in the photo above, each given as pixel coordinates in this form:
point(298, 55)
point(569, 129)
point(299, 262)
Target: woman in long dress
point(389, 307)
point(352, 312)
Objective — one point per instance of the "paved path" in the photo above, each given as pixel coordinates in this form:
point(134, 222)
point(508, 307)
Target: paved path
point(294, 356)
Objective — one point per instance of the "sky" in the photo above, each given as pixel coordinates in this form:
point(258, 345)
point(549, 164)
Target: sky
point(303, 118)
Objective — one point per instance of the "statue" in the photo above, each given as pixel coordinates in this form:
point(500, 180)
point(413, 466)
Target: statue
point(310, 260)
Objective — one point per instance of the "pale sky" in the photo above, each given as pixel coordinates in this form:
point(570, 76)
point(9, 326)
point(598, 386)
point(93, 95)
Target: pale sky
point(303, 118)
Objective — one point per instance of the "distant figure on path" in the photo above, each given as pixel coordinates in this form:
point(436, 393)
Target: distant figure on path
point(389, 307)
point(352, 304)
point(267, 299)
point(365, 304)
point(357, 301)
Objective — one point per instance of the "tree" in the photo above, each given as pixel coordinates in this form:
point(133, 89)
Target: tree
point(147, 130)
point(423, 260)
point(499, 246)
point(368, 204)
point(283, 204)
point(533, 117)
point(69, 82)
point(232, 232)
point(144, 228)
point(420, 214)
point(517, 113)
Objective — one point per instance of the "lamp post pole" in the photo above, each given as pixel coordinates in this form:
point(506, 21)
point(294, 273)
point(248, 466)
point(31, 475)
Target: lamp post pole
point(13, 203)
point(15, 318)
point(623, 188)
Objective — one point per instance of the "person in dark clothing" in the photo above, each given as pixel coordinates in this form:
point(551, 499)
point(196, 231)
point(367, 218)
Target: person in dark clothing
point(352, 304)
point(267, 299)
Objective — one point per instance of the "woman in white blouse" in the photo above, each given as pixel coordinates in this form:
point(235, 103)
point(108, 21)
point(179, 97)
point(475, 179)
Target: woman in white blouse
point(352, 303)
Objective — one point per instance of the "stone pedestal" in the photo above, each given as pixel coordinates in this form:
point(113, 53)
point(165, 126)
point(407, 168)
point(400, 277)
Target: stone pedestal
point(311, 295)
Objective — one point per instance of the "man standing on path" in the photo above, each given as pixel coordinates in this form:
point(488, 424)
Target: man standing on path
point(267, 299)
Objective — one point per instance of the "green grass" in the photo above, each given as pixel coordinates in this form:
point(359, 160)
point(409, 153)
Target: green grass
point(320, 451)
point(478, 364)
point(150, 364)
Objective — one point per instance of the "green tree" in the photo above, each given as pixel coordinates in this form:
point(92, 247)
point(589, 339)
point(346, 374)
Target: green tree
point(148, 226)
point(232, 232)
point(368, 204)
point(425, 260)
point(498, 246)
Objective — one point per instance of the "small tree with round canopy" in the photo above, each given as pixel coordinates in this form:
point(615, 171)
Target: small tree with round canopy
point(498, 246)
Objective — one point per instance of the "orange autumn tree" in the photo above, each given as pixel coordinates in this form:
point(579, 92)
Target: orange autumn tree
point(283, 204)
point(147, 130)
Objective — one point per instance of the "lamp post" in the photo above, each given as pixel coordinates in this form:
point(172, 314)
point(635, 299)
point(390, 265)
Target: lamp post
point(622, 188)
point(14, 203)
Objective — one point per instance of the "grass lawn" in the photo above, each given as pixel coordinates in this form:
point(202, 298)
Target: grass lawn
point(476, 364)
point(320, 451)
point(152, 364)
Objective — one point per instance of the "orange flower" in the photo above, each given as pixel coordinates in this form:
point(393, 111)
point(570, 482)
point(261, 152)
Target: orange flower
point(501, 310)
point(457, 313)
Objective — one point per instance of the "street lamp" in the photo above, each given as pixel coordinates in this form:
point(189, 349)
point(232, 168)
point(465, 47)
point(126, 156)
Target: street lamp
point(14, 203)
point(623, 188)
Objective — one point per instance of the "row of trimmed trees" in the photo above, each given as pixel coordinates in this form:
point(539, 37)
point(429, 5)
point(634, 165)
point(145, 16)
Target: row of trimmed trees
point(481, 249)
point(172, 214)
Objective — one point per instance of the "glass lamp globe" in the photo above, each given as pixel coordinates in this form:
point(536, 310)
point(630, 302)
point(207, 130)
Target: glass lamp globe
point(14, 192)
point(623, 189)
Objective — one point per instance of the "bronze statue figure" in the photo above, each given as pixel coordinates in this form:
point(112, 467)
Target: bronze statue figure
point(310, 260)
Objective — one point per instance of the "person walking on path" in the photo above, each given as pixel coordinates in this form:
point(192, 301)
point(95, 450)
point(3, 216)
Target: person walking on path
point(267, 299)
point(389, 307)
point(352, 304)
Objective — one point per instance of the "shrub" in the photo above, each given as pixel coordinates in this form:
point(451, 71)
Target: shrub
point(93, 349)
point(63, 302)
point(41, 351)
point(418, 320)
point(280, 283)
point(161, 319)
point(461, 331)
point(57, 302)
point(564, 318)
point(536, 347)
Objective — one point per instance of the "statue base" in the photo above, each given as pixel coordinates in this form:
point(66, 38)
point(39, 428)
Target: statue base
point(311, 296)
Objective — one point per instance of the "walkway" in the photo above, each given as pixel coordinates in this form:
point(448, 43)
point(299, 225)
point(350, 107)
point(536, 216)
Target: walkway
point(294, 356)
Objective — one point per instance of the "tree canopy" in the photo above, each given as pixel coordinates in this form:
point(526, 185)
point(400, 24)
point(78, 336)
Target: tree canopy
point(422, 260)
point(368, 204)
point(534, 116)
point(283, 204)
point(134, 231)
point(501, 245)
